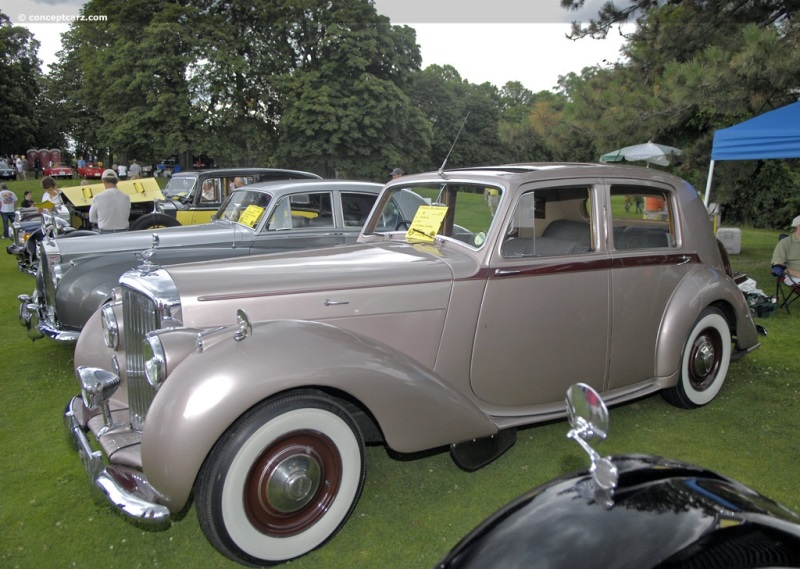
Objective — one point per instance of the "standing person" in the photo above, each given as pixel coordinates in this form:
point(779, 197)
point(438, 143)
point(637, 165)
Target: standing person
point(396, 173)
point(492, 197)
point(111, 208)
point(135, 170)
point(122, 170)
point(787, 255)
point(8, 199)
point(21, 175)
point(51, 194)
point(37, 167)
point(25, 167)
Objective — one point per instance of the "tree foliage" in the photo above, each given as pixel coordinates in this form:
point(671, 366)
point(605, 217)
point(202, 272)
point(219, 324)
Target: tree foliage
point(19, 88)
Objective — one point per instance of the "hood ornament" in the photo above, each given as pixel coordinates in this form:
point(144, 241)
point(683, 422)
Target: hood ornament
point(144, 256)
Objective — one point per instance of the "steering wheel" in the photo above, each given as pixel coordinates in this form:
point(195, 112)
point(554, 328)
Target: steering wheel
point(401, 223)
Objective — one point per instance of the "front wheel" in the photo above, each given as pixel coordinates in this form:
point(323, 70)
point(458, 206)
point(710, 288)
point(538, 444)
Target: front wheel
point(705, 361)
point(154, 221)
point(282, 480)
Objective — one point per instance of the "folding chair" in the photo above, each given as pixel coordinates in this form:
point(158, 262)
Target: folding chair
point(786, 293)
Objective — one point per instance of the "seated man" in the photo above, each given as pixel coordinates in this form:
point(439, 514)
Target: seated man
point(786, 257)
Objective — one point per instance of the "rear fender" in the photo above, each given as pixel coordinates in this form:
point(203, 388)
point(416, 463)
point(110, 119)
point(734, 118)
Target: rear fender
point(700, 289)
point(206, 392)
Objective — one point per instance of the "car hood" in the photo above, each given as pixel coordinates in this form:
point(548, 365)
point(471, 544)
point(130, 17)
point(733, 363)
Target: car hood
point(361, 279)
point(665, 514)
point(169, 237)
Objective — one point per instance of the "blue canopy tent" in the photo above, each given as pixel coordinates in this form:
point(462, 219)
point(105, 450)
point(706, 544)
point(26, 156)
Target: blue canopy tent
point(775, 134)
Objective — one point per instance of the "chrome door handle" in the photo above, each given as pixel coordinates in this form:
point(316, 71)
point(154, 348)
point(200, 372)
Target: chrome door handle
point(329, 302)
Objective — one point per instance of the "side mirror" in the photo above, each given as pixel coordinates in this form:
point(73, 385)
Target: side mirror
point(588, 416)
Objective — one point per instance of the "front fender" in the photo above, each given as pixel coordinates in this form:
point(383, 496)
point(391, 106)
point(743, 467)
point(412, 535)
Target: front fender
point(88, 284)
point(205, 394)
point(700, 289)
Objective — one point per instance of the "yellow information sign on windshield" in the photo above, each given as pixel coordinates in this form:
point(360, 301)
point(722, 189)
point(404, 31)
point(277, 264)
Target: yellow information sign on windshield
point(251, 215)
point(426, 223)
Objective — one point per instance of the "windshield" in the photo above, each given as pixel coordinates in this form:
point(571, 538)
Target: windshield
point(179, 186)
point(245, 207)
point(458, 210)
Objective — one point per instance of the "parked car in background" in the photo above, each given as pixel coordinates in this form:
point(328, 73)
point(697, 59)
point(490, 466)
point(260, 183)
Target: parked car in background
point(615, 513)
point(253, 384)
point(59, 171)
point(30, 226)
point(181, 203)
point(8, 173)
point(186, 203)
point(90, 170)
point(78, 199)
point(79, 275)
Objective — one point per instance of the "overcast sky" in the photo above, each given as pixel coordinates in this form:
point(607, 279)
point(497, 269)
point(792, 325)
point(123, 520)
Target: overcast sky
point(484, 40)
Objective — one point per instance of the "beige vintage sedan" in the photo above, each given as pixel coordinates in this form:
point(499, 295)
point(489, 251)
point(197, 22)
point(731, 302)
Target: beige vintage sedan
point(253, 384)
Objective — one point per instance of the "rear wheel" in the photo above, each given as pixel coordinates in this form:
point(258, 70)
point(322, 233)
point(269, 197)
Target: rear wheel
point(282, 480)
point(705, 361)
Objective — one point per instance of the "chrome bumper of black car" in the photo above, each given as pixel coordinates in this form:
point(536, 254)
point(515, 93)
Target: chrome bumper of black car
point(123, 487)
point(32, 318)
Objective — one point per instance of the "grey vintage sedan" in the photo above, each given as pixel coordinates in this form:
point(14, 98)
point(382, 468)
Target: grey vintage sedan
point(253, 385)
point(77, 275)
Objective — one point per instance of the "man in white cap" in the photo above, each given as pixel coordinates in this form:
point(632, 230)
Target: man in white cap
point(787, 256)
point(111, 208)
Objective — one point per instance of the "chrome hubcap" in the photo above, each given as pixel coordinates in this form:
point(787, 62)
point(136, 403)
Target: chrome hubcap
point(293, 483)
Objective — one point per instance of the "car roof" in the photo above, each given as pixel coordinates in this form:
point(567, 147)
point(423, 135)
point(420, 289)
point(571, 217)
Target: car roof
point(536, 169)
point(283, 186)
point(244, 172)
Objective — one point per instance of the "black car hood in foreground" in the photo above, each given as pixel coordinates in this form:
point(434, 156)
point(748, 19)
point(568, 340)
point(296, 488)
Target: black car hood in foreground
point(665, 514)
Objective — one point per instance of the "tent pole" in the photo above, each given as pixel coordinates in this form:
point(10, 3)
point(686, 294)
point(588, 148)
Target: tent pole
point(708, 183)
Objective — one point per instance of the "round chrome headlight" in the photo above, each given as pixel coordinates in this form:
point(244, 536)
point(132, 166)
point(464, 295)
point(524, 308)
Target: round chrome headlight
point(108, 321)
point(155, 360)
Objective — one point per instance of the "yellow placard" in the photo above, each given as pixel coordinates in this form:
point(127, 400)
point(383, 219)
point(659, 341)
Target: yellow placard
point(251, 215)
point(426, 223)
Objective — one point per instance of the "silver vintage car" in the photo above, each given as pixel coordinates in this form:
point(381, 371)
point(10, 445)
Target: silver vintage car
point(254, 384)
point(78, 275)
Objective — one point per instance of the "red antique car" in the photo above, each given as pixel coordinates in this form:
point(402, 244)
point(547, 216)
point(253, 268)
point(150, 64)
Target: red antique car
point(90, 170)
point(59, 171)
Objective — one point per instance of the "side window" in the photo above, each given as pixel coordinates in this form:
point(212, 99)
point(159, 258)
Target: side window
point(210, 193)
point(642, 218)
point(550, 222)
point(356, 208)
point(299, 211)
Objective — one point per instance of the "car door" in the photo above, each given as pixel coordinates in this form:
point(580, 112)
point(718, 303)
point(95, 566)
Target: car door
point(649, 261)
point(355, 208)
point(300, 220)
point(545, 317)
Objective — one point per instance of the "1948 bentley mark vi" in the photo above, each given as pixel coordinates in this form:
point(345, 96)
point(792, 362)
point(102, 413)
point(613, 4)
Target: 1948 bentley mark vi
point(254, 384)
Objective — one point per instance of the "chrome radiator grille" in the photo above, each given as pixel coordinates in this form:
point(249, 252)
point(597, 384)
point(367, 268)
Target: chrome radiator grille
point(140, 317)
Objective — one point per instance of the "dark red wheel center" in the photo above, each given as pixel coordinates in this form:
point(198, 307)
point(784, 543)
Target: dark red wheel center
point(292, 483)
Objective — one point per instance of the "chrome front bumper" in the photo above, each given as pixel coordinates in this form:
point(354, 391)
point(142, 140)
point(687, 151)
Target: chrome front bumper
point(31, 316)
point(125, 488)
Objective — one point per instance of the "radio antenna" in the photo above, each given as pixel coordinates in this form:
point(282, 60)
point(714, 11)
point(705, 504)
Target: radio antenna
point(441, 168)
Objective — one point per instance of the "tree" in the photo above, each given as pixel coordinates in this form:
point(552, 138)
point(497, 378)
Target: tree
point(693, 66)
point(341, 101)
point(19, 87)
point(126, 78)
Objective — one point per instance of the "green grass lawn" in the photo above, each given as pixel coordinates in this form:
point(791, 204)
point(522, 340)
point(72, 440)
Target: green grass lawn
point(413, 509)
